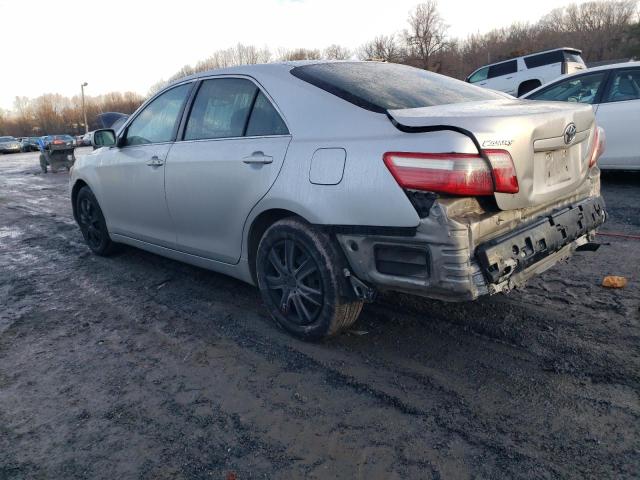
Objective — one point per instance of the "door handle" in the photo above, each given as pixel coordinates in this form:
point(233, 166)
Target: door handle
point(258, 157)
point(155, 162)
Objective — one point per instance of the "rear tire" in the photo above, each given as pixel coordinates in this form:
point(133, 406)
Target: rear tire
point(92, 224)
point(299, 271)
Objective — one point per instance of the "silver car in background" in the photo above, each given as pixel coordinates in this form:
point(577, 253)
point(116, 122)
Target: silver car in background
point(10, 145)
point(323, 182)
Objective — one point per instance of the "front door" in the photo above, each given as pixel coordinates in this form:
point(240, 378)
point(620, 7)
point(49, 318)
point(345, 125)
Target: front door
point(132, 175)
point(233, 147)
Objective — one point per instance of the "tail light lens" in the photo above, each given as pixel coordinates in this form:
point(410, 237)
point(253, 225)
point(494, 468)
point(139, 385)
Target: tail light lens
point(597, 146)
point(454, 173)
point(504, 172)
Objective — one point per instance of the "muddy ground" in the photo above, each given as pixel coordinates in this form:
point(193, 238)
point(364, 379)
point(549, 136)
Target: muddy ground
point(141, 367)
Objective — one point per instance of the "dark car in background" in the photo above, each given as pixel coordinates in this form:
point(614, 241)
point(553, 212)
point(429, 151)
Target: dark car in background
point(29, 144)
point(66, 140)
point(10, 145)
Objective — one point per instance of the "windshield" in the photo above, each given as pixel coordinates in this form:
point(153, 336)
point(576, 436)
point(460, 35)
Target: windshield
point(387, 86)
point(7, 139)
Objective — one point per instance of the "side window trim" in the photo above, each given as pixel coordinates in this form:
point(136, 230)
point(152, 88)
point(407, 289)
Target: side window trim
point(609, 84)
point(123, 135)
point(251, 107)
point(186, 111)
point(194, 93)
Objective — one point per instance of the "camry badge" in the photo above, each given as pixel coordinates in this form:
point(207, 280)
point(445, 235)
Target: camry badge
point(569, 133)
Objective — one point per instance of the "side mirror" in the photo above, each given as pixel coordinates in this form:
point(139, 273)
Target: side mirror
point(103, 138)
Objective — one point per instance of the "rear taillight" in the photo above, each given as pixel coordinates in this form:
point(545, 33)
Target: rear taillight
point(454, 173)
point(504, 172)
point(597, 146)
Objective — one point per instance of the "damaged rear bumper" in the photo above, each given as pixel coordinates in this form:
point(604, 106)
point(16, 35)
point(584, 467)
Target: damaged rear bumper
point(456, 260)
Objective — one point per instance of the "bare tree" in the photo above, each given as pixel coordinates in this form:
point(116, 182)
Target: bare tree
point(384, 48)
point(286, 55)
point(337, 52)
point(598, 28)
point(426, 35)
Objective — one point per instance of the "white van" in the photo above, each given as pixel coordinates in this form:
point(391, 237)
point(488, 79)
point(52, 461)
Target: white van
point(522, 74)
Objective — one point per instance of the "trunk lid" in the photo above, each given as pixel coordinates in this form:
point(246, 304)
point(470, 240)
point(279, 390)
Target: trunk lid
point(532, 132)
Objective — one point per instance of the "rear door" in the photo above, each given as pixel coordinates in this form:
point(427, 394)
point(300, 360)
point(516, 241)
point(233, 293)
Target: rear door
point(503, 77)
point(232, 148)
point(619, 115)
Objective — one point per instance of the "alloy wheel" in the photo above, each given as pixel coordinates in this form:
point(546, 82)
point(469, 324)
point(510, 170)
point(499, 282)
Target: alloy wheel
point(294, 282)
point(90, 222)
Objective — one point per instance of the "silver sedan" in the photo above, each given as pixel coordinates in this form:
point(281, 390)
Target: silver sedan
point(325, 182)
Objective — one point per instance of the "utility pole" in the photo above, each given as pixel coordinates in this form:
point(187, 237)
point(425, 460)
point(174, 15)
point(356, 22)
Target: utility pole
point(84, 110)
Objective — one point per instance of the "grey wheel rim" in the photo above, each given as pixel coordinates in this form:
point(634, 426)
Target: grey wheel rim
point(90, 222)
point(293, 281)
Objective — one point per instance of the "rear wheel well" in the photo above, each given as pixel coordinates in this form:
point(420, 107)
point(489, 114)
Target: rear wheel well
point(74, 195)
point(527, 86)
point(260, 225)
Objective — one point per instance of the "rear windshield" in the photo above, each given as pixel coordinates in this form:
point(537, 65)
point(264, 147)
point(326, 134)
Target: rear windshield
point(387, 86)
point(571, 56)
point(7, 139)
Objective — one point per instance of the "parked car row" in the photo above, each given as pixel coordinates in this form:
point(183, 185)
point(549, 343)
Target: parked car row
point(9, 144)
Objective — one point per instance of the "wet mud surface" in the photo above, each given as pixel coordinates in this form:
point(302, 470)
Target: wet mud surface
point(137, 366)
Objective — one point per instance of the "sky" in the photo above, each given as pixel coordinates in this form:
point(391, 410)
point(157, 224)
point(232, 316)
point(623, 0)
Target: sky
point(120, 45)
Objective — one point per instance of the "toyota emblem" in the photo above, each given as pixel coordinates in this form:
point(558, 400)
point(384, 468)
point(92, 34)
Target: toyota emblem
point(569, 133)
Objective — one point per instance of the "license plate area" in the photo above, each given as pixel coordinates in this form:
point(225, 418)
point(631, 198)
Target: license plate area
point(556, 167)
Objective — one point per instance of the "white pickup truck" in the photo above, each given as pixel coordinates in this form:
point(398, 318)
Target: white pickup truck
point(520, 75)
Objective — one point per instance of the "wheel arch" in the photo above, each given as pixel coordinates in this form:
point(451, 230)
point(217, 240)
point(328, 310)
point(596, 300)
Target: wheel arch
point(258, 226)
point(529, 81)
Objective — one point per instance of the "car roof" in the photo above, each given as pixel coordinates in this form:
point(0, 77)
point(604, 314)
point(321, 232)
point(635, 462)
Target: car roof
point(540, 52)
point(258, 68)
point(601, 68)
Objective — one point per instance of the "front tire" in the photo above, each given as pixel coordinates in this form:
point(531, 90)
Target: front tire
point(92, 224)
point(299, 271)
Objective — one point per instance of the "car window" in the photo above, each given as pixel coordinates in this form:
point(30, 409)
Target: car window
point(264, 119)
point(625, 85)
point(479, 76)
point(582, 89)
point(387, 86)
point(221, 109)
point(503, 68)
point(158, 121)
point(541, 59)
